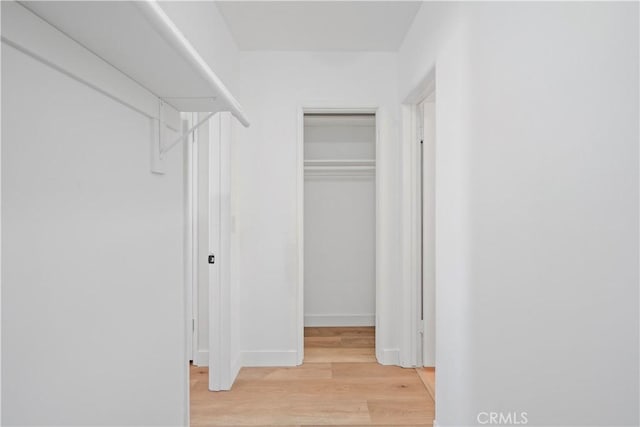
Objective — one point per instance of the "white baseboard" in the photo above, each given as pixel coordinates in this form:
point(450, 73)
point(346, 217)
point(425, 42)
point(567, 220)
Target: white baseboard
point(389, 356)
point(269, 358)
point(435, 423)
point(339, 320)
point(201, 358)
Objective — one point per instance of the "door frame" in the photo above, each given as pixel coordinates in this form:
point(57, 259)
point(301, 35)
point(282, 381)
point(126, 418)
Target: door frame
point(190, 160)
point(191, 239)
point(413, 300)
point(334, 108)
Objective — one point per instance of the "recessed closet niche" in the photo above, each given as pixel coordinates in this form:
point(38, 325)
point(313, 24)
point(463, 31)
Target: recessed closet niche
point(339, 219)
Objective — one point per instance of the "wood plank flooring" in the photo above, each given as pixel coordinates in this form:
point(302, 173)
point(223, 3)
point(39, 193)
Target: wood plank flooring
point(339, 384)
point(428, 377)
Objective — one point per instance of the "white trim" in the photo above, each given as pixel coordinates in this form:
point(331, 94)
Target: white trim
point(269, 358)
point(428, 255)
point(335, 108)
point(389, 356)
point(187, 284)
point(195, 241)
point(410, 342)
point(381, 329)
point(300, 236)
point(411, 339)
point(424, 91)
point(315, 320)
point(191, 240)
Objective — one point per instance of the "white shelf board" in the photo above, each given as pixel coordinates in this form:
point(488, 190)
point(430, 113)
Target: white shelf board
point(141, 41)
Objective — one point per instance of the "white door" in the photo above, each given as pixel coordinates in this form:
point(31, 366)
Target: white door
point(223, 354)
point(428, 235)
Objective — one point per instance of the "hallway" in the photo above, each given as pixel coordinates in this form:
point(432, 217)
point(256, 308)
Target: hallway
point(339, 384)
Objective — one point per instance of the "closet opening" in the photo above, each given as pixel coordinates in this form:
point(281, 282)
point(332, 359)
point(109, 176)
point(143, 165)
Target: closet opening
point(339, 228)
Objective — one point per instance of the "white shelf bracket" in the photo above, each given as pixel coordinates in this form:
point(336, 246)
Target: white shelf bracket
point(184, 136)
point(158, 147)
point(158, 129)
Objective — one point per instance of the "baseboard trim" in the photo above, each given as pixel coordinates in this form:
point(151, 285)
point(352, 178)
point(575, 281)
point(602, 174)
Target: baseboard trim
point(201, 358)
point(318, 320)
point(269, 358)
point(389, 356)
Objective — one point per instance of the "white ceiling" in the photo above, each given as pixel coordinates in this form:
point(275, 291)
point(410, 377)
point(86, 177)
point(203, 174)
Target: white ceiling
point(319, 25)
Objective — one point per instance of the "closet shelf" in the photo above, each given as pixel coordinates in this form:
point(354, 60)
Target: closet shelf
point(139, 39)
point(130, 51)
point(339, 168)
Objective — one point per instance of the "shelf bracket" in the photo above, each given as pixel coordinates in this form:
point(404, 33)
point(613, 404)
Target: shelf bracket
point(182, 137)
point(158, 129)
point(159, 135)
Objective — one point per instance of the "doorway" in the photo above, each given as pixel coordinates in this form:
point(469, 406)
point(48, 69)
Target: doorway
point(338, 268)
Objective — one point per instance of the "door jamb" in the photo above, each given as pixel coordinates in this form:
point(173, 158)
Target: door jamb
point(191, 241)
point(190, 254)
point(413, 326)
point(333, 108)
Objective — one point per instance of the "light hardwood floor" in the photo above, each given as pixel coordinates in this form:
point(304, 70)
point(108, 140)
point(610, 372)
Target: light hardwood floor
point(339, 384)
point(428, 377)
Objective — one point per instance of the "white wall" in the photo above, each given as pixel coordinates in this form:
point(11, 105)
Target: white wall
point(273, 87)
point(339, 225)
point(537, 208)
point(92, 254)
point(326, 138)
